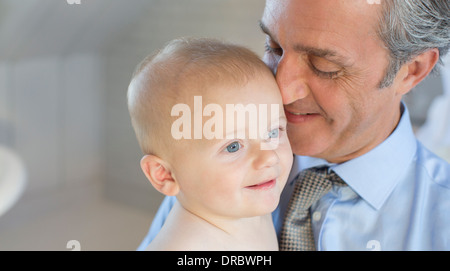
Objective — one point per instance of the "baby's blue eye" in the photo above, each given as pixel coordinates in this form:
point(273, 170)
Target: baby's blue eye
point(233, 147)
point(274, 133)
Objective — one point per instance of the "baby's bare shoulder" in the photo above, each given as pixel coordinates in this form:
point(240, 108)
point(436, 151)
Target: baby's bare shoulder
point(181, 240)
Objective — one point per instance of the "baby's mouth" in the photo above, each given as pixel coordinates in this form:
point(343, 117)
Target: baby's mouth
point(263, 185)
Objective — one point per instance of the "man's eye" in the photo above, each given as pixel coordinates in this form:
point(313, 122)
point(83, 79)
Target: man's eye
point(233, 147)
point(326, 75)
point(324, 68)
point(273, 50)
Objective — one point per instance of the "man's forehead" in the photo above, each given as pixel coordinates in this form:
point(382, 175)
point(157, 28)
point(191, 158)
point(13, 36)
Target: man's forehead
point(332, 31)
point(327, 53)
point(354, 13)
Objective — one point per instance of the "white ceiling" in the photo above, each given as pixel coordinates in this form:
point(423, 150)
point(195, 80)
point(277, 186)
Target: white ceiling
point(30, 28)
point(40, 27)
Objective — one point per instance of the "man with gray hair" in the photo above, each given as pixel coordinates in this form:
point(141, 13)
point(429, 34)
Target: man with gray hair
point(360, 179)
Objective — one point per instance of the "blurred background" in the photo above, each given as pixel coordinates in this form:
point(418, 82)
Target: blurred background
point(69, 160)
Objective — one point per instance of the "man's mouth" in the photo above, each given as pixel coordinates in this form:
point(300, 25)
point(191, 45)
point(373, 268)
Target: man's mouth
point(300, 117)
point(301, 114)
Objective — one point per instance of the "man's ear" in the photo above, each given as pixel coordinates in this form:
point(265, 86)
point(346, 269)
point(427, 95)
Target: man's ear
point(413, 72)
point(159, 175)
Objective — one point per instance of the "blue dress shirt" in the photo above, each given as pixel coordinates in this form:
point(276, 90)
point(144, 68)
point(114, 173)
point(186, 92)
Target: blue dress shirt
point(397, 198)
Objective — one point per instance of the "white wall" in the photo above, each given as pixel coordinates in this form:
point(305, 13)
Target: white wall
point(37, 127)
point(53, 108)
point(84, 107)
point(5, 106)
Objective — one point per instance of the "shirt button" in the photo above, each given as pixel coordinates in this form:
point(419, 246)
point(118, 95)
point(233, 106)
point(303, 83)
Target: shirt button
point(316, 216)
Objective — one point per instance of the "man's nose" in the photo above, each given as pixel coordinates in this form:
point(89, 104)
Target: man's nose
point(291, 76)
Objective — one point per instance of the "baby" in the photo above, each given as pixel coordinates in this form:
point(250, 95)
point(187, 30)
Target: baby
point(209, 118)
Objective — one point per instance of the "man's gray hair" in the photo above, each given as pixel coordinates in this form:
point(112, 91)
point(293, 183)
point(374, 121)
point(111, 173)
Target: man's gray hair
point(411, 27)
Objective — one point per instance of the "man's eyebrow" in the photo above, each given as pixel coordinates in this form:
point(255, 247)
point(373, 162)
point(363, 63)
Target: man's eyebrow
point(315, 51)
point(263, 27)
point(324, 53)
point(331, 55)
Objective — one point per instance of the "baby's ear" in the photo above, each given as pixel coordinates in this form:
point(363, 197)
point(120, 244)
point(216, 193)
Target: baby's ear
point(159, 175)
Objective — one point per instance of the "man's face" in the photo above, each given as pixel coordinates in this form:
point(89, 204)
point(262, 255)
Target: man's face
point(328, 62)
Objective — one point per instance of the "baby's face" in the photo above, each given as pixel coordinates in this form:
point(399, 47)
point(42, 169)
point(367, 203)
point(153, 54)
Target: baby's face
point(228, 172)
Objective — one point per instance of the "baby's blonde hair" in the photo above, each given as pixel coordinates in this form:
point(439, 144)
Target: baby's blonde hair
point(174, 73)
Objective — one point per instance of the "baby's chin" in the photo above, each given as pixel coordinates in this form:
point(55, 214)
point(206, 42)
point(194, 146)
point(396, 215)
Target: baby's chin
point(264, 207)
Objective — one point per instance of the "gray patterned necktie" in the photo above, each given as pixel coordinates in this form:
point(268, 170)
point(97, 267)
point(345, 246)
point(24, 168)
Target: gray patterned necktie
point(311, 185)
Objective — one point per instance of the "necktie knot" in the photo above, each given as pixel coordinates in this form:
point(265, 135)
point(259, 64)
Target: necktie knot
point(311, 185)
